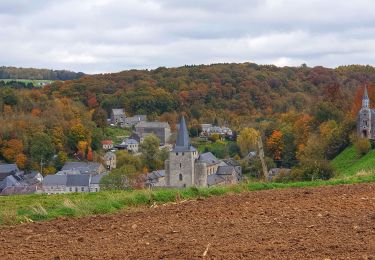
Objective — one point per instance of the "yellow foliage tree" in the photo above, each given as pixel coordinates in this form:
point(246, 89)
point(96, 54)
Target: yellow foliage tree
point(247, 140)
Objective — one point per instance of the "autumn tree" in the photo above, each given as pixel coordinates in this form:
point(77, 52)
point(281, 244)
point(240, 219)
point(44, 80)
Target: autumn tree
point(275, 144)
point(247, 140)
point(41, 147)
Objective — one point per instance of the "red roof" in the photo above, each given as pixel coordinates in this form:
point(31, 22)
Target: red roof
point(107, 142)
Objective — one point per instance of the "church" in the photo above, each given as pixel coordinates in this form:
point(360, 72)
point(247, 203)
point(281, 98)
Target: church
point(366, 119)
point(187, 168)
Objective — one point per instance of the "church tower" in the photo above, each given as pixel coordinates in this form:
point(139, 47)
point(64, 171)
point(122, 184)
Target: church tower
point(364, 124)
point(179, 169)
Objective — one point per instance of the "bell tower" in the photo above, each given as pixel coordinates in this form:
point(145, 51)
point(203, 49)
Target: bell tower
point(364, 118)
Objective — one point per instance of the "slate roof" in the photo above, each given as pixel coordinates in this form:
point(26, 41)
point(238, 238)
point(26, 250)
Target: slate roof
point(214, 179)
point(54, 180)
point(9, 181)
point(208, 158)
point(118, 111)
point(83, 167)
point(78, 180)
point(182, 141)
point(153, 124)
point(130, 141)
point(96, 178)
point(225, 170)
point(7, 169)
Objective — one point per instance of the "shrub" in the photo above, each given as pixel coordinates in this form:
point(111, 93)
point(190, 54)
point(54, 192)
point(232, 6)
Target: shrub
point(312, 170)
point(362, 146)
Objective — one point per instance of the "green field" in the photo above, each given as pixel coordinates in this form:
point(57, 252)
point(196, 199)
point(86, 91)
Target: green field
point(30, 208)
point(35, 82)
point(348, 162)
point(116, 134)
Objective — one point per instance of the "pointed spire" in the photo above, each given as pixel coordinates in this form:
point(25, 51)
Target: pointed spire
point(365, 99)
point(183, 135)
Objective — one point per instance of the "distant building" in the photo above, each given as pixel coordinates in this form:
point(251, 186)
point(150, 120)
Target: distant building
point(132, 121)
point(155, 179)
point(275, 172)
point(107, 144)
point(7, 170)
point(21, 183)
point(161, 129)
point(118, 117)
point(366, 119)
point(109, 161)
point(56, 184)
point(83, 167)
point(186, 167)
point(209, 129)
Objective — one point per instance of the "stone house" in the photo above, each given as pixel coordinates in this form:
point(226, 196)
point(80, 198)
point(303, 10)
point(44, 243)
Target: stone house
point(84, 167)
point(155, 179)
point(161, 129)
point(57, 184)
point(118, 117)
point(107, 144)
point(110, 161)
point(186, 167)
point(132, 121)
point(95, 182)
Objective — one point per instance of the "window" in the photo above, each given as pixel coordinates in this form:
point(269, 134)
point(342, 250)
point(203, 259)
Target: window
point(70, 189)
point(180, 165)
point(96, 189)
point(180, 177)
point(76, 189)
point(82, 188)
point(183, 153)
point(176, 154)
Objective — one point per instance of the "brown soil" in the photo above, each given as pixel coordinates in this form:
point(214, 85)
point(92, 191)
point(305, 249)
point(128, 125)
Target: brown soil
point(320, 223)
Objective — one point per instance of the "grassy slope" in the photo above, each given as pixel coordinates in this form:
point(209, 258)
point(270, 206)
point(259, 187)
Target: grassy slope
point(26, 208)
point(348, 163)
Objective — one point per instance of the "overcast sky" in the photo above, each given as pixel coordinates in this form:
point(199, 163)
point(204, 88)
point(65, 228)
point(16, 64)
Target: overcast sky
point(112, 35)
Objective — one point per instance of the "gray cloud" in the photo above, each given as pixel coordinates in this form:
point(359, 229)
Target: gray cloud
point(112, 35)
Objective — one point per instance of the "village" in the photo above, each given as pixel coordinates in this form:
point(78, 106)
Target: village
point(186, 167)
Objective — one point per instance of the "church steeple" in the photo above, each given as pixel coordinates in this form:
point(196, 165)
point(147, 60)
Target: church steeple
point(365, 99)
point(182, 141)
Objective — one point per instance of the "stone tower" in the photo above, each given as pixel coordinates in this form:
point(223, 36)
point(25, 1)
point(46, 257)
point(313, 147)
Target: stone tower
point(179, 168)
point(364, 123)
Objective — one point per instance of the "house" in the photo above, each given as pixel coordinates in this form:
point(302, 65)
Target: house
point(161, 129)
point(95, 182)
point(21, 183)
point(132, 121)
point(366, 119)
point(118, 117)
point(131, 145)
point(56, 184)
point(84, 167)
point(186, 167)
point(109, 161)
point(7, 170)
point(209, 129)
point(155, 179)
point(107, 144)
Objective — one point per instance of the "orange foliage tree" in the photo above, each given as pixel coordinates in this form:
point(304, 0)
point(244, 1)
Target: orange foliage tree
point(275, 144)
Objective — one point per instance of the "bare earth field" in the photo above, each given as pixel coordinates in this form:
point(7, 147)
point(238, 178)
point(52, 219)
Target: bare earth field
point(336, 222)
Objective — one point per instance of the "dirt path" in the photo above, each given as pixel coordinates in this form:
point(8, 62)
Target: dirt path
point(328, 222)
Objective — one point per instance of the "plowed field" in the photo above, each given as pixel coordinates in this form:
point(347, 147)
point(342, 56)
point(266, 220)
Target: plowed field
point(321, 223)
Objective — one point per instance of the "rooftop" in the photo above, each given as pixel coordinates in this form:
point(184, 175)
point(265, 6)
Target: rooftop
point(153, 124)
point(83, 167)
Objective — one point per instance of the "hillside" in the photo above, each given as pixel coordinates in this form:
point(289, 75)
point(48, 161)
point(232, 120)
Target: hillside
point(14, 73)
point(347, 162)
point(319, 223)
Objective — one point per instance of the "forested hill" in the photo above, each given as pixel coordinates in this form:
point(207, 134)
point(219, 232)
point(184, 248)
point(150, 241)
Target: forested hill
point(303, 113)
point(227, 92)
point(38, 74)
